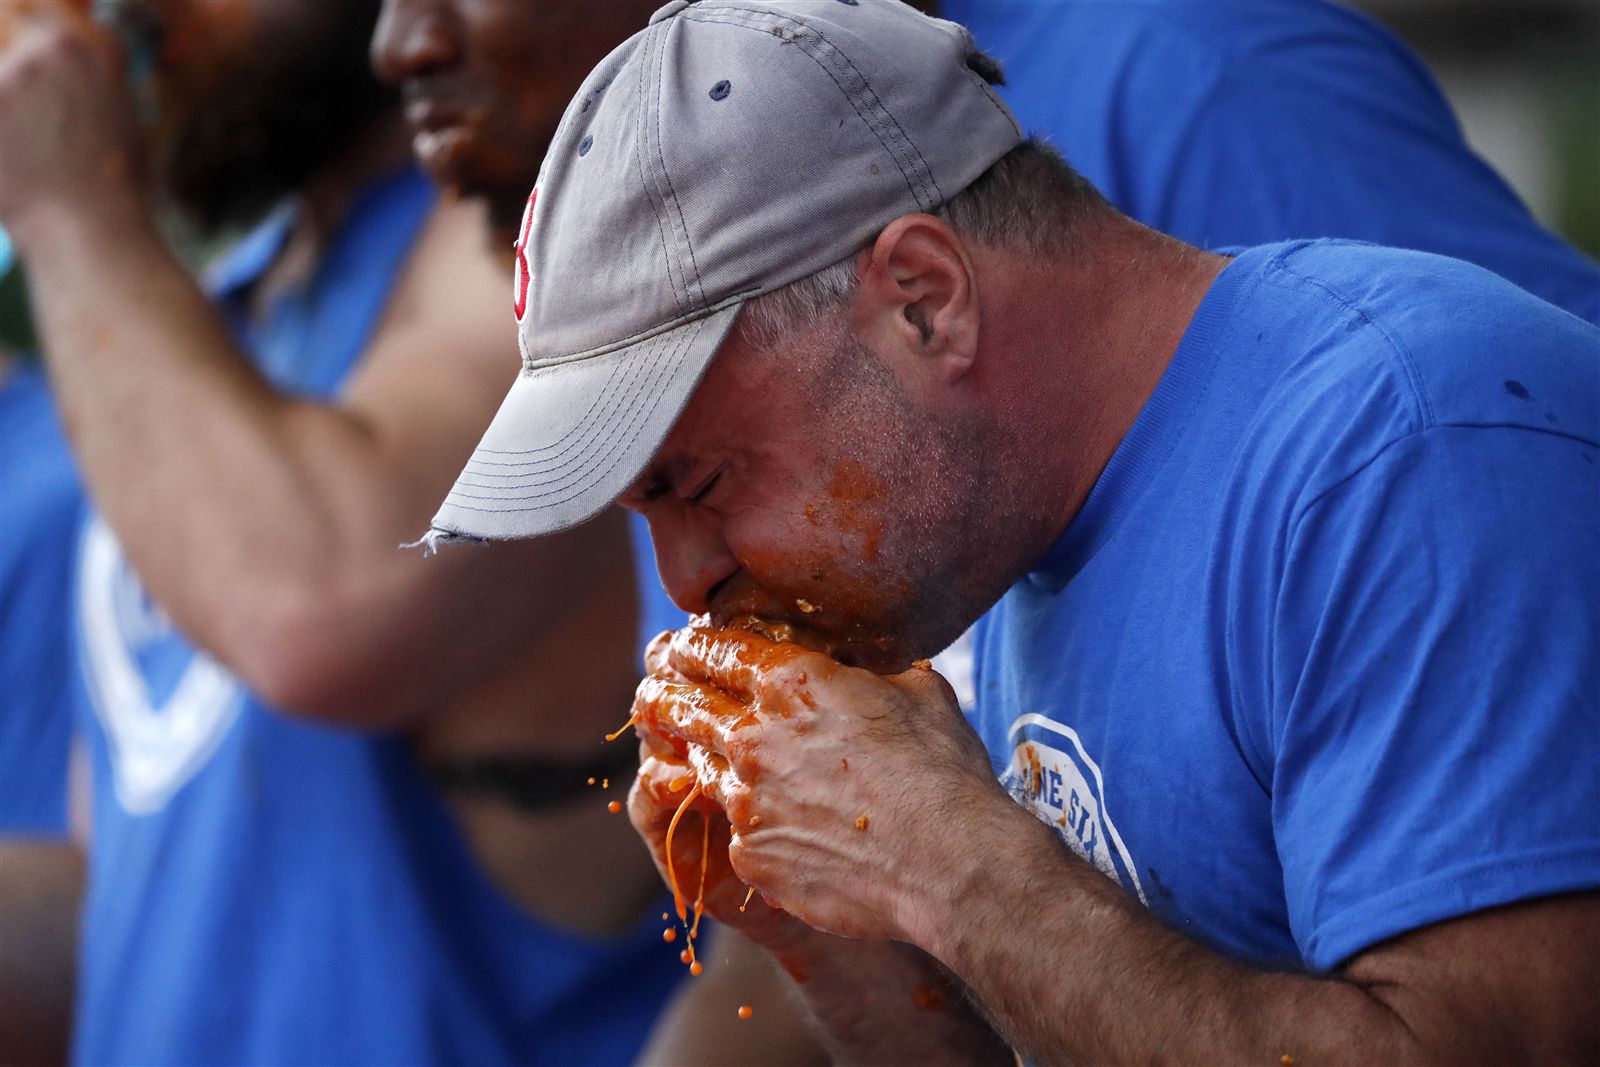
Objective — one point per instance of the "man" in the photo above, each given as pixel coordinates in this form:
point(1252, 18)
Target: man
point(268, 885)
point(1263, 520)
point(484, 87)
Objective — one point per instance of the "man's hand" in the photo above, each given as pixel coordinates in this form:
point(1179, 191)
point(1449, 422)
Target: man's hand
point(664, 784)
point(66, 116)
point(841, 789)
point(873, 1001)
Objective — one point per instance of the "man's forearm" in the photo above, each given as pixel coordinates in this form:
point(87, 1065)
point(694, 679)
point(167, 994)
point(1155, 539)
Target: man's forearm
point(209, 476)
point(881, 1002)
point(1070, 970)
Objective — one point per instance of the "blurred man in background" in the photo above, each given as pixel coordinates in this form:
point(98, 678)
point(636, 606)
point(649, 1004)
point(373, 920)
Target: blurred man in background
point(266, 883)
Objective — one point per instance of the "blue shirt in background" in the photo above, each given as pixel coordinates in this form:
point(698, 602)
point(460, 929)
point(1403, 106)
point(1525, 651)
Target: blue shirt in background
point(1242, 122)
point(40, 505)
point(266, 890)
point(1318, 661)
point(657, 612)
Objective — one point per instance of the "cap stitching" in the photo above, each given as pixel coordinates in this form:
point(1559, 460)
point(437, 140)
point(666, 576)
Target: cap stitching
point(559, 445)
point(636, 426)
point(916, 181)
point(555, 482)
point(641, 148)
point(581, 461)
point(683, 225)
point(650, 331)
point(653, 71)
point(904, 138)
point(585, 429)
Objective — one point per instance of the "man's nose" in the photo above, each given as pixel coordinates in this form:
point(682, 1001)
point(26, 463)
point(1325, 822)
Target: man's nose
point(414, 38)
point(693, 559)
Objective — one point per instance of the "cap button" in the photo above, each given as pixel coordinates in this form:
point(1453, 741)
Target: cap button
point(667, 10)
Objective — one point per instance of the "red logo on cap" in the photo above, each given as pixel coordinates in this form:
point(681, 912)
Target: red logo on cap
point(524, 273)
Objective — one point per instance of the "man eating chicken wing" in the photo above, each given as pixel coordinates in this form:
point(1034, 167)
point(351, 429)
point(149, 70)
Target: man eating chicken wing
point(1284, 729)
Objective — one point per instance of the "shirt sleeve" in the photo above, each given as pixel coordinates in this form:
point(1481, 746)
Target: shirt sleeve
point(1436, 686)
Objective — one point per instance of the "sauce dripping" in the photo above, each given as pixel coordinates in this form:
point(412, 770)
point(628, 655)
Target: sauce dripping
point(613, 735)
point(672, 868)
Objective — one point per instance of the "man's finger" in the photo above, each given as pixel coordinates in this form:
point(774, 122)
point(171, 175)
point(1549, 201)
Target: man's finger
point(699, 714)
point(663, 780)
point(655, 653)
point(924, 682)
point(721, 785)
point(744, 664)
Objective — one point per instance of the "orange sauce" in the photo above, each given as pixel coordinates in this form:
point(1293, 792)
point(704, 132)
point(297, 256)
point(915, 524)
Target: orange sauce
point(613, 735)
point(672, 868)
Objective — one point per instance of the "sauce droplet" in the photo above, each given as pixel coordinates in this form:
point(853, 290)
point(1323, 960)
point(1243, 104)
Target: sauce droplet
point(670, 934)
point(686, 956)
point(614, 807)
point(591, 780)
point(696, 967)
point(748, 894)
point(861, 822)
point(755, 821)
point(613, 735)
point(1286, 1059)
point(745, 1012)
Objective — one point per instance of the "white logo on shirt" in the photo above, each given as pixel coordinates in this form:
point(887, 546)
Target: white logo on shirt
point(1051, 774)
point(155, 747)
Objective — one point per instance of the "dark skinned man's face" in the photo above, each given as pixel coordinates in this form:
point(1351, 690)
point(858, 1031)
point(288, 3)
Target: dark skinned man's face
point(485, 82)
point(253, 96)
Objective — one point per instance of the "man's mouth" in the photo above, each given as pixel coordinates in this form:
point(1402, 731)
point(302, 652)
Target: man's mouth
point(442, 132)
point(427, 114)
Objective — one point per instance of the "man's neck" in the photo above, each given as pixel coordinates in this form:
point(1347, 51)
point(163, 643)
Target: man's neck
point(325, 199)
point(1083, 355)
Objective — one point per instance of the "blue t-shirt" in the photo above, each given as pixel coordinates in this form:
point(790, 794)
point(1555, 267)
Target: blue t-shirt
point(269, 890)
point(1240, 122)
point(40, 504)
point(1318, 661)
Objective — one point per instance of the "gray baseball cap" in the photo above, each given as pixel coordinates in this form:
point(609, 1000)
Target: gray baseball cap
point(729, 148)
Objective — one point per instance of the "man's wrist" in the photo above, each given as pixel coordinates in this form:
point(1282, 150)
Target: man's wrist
point(106, 215)
point(1000, 838)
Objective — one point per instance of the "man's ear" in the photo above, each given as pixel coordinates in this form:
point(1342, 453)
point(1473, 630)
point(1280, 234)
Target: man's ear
point(919, 297)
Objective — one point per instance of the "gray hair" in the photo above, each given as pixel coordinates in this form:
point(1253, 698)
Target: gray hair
point(1029, 202)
